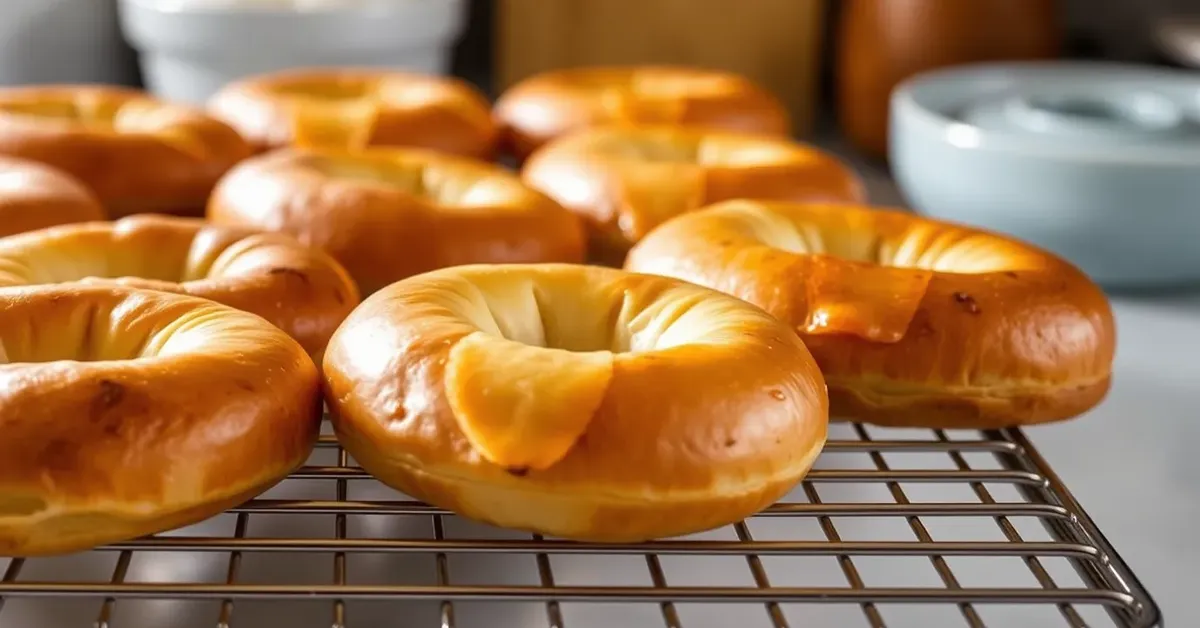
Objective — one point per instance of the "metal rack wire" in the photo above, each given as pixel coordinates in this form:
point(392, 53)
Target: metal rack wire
point(869, 539)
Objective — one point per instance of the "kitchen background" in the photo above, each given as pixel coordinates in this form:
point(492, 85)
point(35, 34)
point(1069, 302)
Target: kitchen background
point(52, 40)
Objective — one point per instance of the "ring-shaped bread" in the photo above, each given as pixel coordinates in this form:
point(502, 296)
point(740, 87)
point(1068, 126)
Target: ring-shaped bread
point(34, 196)
point(389, 213)
point(575, 401)
point(351, 108)
point(128, 412)
point(627, 180)
point(551, 104)
point(914, 322)
point(297, 288)
point(135, 153)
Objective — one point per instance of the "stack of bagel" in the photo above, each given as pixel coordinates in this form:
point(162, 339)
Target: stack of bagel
point(617, 304)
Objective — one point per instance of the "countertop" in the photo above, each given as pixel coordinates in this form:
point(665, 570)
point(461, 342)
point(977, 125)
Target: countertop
point(1130, 461)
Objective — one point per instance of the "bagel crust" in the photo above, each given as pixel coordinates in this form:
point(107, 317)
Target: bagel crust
point(299, 289)
point(387, 213)
point(552, 104)
point(34, 195)
point(914, 322)
point(350, 108)
point(575, 401)
point(135, 153)
point(130, 412)
point(627, 180)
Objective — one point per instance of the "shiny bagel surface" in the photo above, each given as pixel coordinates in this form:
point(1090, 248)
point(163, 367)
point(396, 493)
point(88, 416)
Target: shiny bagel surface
point(627, 180)
point(34, 195)
point(298, 288)
point(353, 108)
point(551, 104)
point(135, 153)
point(388, 213)
point(914, 322)
point(128, 412)
point(575, 401)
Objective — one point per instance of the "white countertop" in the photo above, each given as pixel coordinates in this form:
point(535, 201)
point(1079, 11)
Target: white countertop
point(1133, 461)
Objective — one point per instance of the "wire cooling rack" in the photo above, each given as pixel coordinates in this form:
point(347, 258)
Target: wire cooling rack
point(892, 528)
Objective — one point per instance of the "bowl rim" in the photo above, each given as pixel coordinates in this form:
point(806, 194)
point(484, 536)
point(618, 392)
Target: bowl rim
point(904, 105)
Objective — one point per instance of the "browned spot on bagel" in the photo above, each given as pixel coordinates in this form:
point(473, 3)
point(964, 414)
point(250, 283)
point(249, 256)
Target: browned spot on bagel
point(967, 302)
point(111, 393)
point(519, 472)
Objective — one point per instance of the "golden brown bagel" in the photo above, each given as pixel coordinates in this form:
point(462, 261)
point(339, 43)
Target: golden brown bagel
point(300, 289)
point(34, 195)
point(627, 180)
point(136, 154)
point(551, 104)
point(351, 108)
point(388, 213)
point(914, 322)
point(575, 401)
point(128, 412)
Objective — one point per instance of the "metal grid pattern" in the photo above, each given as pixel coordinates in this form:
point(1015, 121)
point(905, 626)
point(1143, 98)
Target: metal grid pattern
point(869, 539)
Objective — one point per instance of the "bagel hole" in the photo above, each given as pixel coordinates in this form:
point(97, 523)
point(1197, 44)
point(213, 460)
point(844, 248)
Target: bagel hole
point(668, 146)
point(450, 184)
point(84, 112)
point(87, 331)
point(151, 252)
point(564, 315)
point(329, 91)
point(895, 240)
point(650, 82)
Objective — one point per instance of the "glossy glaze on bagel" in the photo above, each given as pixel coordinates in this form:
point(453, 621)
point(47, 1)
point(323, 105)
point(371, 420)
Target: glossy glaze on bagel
point(627, 180)
point(129, 412)
point(135, 153)
point(575, 401)
point(551, 104)
point(914, 322)
point(298, 288)
point(352, 108)
point(387, 214)
point(34, 195)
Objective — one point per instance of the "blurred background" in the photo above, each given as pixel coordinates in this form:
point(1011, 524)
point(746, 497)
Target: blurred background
point(834, 62)
point(790, 44)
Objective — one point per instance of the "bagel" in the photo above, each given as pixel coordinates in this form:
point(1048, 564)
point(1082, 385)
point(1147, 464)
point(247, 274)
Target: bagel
point(388, 213)
point(33, 196)
point(129, 412)
point(626, 180)
point(135, 153)
point(575, 401)
point(299, 289)
point(914, 322)
point(351, 108)
point(551, 104)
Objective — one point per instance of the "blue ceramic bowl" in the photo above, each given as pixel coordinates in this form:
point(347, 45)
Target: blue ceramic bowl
point(1098, 163)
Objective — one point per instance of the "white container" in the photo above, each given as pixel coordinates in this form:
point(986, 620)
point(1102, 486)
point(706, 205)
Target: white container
point(63, 41)
point(191, 48)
